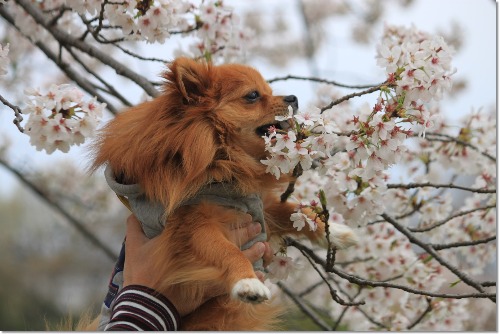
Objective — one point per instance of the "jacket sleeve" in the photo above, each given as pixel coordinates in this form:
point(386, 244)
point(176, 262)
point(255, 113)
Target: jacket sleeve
point(141, 308)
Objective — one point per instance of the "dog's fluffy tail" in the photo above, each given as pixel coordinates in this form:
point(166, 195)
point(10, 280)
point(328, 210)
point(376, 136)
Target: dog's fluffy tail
point(86, 322)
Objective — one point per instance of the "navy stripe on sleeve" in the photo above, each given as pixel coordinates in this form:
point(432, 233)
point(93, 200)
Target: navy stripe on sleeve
point(141, 308)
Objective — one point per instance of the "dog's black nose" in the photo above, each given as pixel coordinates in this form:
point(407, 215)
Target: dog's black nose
point(292, 101)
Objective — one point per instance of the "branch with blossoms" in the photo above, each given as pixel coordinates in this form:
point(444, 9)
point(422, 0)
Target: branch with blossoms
point(383, 283)
point(51, 27)
point(341, 161)
point(362, 284)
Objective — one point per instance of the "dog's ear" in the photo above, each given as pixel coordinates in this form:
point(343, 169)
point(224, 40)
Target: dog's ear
point(190, 78)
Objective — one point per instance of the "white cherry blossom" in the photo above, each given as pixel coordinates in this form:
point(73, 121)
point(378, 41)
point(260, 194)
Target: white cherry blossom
point(60, 117)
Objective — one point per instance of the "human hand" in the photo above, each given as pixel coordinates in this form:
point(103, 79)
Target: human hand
point(138, 247)
point(244, 230)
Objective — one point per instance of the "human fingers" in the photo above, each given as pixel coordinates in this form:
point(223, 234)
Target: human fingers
point(135, 237)
point(255, 252)
point(268, 254)
point(137, 248)
point(244, 230)
point(267, 257)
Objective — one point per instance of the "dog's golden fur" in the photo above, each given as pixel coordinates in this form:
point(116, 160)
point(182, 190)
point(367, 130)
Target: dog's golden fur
point(203, 129)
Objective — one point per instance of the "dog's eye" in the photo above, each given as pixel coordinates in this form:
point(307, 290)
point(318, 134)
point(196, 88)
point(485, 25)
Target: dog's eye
point(252, 96)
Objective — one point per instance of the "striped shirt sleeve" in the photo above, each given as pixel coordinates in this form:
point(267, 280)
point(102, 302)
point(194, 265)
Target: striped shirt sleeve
point(138, 308)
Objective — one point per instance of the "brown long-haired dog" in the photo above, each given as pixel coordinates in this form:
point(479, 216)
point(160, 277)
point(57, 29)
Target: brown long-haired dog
point(206, 128)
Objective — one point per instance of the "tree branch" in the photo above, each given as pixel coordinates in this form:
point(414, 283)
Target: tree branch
point(431, 251)
point(450, 139)
point(329, 82)
point(68, 41)
point(370, 283)
point(350, 96)
point(17, 113)
point(444, 221)
point(110, 89)
point(303, 307)
point(333, 292)
point(426, 311)
point(463, 243)
point(80, 227)
point(66, 68)
point(433, 185)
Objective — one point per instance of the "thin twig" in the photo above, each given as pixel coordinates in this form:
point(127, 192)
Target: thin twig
point(344, 311)
point(433, 185)
point(80, 227)
point(297, 172)
point(444, 221)
point(310, 289)
point(69, 41)
point(450, 139)
point(426, 311)
point(110, 89)
point(373, 321)
point(329, 82)
point(137, 56)
point(489, 283)
point(463, 243)
point(17, 113)
point(431, 251)
point(303, 307)
point(350, 96)
point(333, 292)
point(370, 283)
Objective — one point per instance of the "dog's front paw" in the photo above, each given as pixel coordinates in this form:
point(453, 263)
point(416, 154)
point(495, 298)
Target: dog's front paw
point(250, 290)
point(341, 237)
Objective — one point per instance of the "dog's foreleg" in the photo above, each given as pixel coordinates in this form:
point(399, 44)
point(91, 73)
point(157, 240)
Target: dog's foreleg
point(239, 276)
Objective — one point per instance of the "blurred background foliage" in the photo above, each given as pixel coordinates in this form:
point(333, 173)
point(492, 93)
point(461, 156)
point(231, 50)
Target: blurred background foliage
point(48, 272)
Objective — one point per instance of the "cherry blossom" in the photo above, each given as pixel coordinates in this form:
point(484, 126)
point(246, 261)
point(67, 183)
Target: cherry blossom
point(351, 156)
point(300, 220)
point(418, 64)
point(60, 117)
point(389, 57)
point(280, 268)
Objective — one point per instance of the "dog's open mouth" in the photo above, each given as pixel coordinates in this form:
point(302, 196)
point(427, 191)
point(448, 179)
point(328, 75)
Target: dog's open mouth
point(266, 128)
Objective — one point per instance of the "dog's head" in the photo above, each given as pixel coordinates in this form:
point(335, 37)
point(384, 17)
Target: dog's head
point(206, 127)
point(235, 99)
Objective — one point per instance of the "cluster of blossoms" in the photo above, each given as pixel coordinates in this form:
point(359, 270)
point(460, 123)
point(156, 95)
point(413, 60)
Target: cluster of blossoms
point(431, 161)
point(60, 118)
point(389, 257)
point(352, 167)
point(348, 153)
point(151, 21)
point(219, 32)
point(354, 153)
point(215, 28)
point(418, 64)
point(214, 25)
